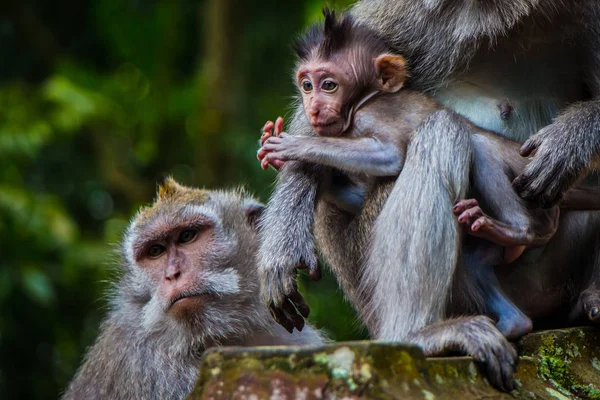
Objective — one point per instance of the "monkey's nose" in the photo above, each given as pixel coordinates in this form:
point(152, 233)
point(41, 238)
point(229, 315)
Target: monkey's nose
point(172, 275)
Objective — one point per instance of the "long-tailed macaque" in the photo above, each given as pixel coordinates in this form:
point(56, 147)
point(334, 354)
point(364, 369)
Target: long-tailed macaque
point(188, 282)
point(508, 66)
point(350, 82)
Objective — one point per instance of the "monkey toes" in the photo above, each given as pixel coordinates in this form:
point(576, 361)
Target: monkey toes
point(492, 352)
point(589, 305)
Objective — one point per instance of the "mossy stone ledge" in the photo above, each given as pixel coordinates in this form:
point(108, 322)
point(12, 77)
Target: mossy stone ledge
point(558, 364)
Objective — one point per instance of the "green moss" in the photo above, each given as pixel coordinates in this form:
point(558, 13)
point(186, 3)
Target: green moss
point(586, 391)
point(573, 351)
point(555, 370)
point(596, 364)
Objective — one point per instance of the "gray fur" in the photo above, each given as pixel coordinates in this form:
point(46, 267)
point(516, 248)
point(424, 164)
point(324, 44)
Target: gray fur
point(440, 157)
point(142, 353)
point(449, 44)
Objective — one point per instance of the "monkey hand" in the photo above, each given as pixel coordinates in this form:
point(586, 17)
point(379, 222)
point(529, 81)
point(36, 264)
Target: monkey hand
point(279, 291)
point(267, 133)
point(278, 266)
point(559, 159)
point(283, 147)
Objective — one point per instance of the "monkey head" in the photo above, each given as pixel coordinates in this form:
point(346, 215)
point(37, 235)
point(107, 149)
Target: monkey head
point(190, 262)
point(341, 64)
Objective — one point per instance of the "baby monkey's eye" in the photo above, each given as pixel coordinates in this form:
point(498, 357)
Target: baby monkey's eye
point(307, 86)
point(156, 250)
point(187, 236)
point(329, 86)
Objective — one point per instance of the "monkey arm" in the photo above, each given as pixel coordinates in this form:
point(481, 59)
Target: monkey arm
point(563, 152)
point(286, 243)
point(368, 155)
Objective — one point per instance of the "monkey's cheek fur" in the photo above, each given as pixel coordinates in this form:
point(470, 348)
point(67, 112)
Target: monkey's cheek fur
point(186, 306)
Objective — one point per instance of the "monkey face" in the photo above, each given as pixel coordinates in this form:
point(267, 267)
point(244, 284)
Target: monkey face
point(323, 86)
point(192, 258)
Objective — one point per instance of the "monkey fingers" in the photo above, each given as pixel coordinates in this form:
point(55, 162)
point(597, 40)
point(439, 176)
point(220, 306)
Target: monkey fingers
point(280, 317)
point(267, 131)
point(463, 205)
point(556, 165)
point(292, 315)
point(271, 143)
point(298, 301)
point(266, 161)
point(483, 226)
point(278, 126)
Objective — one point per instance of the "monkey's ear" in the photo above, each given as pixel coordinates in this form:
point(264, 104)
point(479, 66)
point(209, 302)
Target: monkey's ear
point(391, 72)
point(253, 211)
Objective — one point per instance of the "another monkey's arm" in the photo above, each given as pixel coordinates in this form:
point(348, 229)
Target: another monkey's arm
point(563, 152)
point(566, 150)
point(286, 240)
point(368, 155)
point(286, 243)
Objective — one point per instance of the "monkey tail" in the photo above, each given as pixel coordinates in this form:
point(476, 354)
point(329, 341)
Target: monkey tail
point(414, 249)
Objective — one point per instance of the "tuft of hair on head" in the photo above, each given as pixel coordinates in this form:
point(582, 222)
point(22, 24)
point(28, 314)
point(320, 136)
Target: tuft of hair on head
point(336, 33)
point(168, 188)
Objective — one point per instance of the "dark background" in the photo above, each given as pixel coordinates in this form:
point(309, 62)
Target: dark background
point(100, 100)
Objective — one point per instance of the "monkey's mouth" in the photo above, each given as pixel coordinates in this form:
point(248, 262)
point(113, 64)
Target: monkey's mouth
point(327, 128)
point(185, 296)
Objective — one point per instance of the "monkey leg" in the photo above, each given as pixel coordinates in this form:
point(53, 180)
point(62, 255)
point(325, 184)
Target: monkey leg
point(514, 238)
point(415, 240)
point(414, 252)
point(588, 302)
point(476, 336)
point(480, 256)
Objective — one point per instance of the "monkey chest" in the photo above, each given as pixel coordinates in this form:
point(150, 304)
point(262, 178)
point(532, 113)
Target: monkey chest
point(517, 92)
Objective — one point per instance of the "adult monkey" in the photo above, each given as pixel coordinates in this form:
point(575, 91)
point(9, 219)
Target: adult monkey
point(187, 282)
point(527, 60)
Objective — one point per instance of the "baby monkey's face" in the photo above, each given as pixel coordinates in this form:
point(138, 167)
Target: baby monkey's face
point(333, 89)
point(324, 89)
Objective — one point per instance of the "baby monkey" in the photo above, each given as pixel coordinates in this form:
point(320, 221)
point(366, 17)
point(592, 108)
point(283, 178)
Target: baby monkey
point(349, 81)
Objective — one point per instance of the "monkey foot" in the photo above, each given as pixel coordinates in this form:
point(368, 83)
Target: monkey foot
point(481, 225)
point(514, 326)
point(588, 305)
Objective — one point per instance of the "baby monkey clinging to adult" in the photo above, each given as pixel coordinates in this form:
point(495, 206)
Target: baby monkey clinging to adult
point(350, 82)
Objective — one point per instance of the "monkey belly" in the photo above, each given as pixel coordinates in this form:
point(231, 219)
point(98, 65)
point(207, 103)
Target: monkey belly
point(517, 92)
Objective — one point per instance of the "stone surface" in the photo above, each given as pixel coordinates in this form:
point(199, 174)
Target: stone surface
point(559, 364)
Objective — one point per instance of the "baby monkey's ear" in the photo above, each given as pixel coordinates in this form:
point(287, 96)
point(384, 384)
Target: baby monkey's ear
point(391, 72)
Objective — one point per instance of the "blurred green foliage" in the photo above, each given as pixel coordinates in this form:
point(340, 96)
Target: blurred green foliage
point(99, 100)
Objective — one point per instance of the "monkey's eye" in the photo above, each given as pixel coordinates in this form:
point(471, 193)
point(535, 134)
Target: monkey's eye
point(329, 86)
point(306, 86)
point(187, 236)
point(156, 250)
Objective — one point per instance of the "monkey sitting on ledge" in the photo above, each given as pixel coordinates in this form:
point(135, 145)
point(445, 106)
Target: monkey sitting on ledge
point(349, 81)
point(188, 282)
